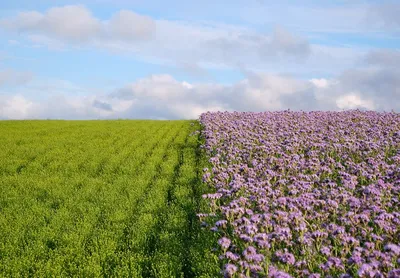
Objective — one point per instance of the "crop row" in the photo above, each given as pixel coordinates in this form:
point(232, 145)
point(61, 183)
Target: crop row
point(101, 198)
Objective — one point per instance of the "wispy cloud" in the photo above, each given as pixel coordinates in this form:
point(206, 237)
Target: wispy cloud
point(11, 77)
point(385, 14)
point(176, 42)
point(383, 58)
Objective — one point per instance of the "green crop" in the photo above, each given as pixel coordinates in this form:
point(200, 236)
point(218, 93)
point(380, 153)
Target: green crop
point(102, 198)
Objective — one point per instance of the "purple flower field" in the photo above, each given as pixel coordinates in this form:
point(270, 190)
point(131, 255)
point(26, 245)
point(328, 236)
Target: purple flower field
point(304, 194)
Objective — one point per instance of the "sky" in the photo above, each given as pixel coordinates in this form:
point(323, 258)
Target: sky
point(153, 59)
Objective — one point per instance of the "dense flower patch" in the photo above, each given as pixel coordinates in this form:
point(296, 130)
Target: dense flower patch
point(305, 194)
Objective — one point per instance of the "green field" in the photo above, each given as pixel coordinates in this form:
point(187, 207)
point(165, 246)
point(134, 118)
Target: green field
point(102, 198)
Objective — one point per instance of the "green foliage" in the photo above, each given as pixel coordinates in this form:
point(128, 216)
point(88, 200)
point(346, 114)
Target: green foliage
point(102, 198)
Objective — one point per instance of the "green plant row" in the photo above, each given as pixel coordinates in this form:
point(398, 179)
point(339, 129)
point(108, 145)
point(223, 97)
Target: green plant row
point(102, 198)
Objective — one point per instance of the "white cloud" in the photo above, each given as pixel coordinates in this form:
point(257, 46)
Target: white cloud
point(76, 24)
point(55, 107)
point(187, 85)
point(14, 107)
point(70, 22)
point(353, 101)
point(127, 25)
point(320, 82)
point(24, 22)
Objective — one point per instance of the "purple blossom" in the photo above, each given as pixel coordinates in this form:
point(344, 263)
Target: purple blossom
point(275, 273)
point(394, 273)
point(367, 271)
point(245, 238)
point(325, 250)
point(230, 270)
point(323, 185)
point(232, 256)
point(224, 242)
point(285, 257)
point(393, 248)
point(221, 223)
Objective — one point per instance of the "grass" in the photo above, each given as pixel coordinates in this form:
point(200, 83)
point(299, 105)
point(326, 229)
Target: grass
point(102, 198)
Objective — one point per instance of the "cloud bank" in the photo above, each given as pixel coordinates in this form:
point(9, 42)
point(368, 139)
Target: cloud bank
point(164, 97)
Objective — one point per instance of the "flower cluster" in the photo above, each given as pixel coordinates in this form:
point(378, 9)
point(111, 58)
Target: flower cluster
point(305, 194)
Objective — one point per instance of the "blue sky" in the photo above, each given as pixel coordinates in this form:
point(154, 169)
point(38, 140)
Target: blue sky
point(176, 59)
